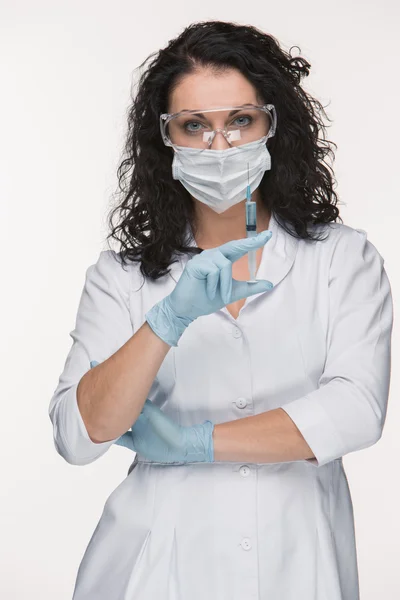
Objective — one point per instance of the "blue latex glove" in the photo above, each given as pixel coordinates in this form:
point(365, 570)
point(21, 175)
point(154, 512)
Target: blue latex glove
point(205, 286)
point(157, 437)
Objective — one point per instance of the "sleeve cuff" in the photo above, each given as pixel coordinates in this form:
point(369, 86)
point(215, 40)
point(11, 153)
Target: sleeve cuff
point(313, 423)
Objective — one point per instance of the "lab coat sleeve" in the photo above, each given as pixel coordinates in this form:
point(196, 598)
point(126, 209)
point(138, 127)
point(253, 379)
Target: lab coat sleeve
point(103, 325)
point(348, 410)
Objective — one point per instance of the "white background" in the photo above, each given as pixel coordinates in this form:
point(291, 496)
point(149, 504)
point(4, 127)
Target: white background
point(66, 74)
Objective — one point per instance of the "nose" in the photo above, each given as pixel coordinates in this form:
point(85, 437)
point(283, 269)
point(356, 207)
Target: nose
point(219, 142)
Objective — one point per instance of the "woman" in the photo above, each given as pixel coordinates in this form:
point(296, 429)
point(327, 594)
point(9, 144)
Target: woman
point(242, 397)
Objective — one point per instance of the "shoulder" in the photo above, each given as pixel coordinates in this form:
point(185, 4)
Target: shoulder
point(342, 249)
point(333, 232)
point(340, 238)
point(351, 256)
point(346, 232)
point(346, 238)
point(109, 271)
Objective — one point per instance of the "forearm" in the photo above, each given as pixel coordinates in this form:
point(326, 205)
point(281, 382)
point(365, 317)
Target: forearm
point(265, 438)
point(111, 395)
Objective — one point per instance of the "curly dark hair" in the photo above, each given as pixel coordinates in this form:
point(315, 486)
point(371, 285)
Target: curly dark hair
point(155, 209)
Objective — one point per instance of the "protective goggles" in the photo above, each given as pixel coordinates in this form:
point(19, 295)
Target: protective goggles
point(198, 128)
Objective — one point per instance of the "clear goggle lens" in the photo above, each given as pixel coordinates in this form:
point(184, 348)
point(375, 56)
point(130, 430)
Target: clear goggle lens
point(194, 129)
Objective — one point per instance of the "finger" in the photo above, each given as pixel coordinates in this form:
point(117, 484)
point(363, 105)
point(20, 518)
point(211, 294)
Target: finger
point(237, 248)
point(126, 441)
point(243, 289)
point(208, 266)
point(163, 425)
point(225, 276)
point(212, 280)
point(201, 265)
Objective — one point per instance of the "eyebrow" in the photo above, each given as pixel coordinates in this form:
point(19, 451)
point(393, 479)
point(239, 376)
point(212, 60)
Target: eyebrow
point(233, 112)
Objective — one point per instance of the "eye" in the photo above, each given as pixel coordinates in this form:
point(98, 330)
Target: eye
point(242, 118)
point(187, 126)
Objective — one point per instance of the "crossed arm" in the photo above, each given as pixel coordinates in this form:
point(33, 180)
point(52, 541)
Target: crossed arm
point(345, 413)
point(268, 437)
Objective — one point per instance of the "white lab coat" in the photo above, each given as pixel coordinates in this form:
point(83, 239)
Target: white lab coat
point(317, 345)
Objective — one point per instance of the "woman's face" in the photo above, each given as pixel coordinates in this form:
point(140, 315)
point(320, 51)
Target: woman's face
point(205, 89)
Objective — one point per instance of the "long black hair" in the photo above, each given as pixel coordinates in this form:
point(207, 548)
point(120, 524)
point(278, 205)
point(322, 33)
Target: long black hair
point(153, 213)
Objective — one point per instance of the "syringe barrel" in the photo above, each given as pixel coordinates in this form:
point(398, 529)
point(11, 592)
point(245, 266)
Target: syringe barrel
point(251, 216)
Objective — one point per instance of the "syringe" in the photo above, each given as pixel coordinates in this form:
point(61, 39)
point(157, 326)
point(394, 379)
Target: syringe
point(251, 228)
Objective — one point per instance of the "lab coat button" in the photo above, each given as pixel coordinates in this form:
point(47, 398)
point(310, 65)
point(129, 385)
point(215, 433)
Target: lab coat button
point(244, 471)
point(241, 402)
point(236, 332)
point(246, 544)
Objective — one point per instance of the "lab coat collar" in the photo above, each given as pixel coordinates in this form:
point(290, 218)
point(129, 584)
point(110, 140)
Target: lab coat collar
point(276, 261)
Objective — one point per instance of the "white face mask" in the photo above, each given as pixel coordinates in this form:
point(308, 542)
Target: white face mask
point(219, 178)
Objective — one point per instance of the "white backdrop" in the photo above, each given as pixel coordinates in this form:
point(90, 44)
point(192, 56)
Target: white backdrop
point(67, 70)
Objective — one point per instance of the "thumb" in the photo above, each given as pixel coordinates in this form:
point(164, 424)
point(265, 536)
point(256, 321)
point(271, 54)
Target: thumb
point(126, 440)
point(243, 289)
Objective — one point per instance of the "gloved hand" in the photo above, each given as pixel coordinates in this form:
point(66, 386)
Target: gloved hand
point(205, 286)
point(157, 437)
